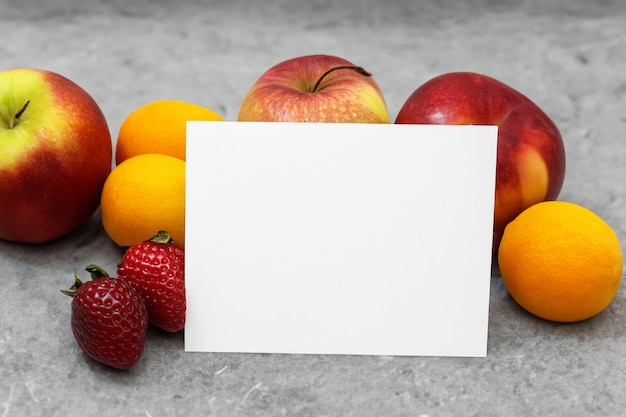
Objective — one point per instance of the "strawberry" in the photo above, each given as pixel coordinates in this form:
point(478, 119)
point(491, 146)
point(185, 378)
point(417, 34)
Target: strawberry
point(109, 319)
point(156, 268)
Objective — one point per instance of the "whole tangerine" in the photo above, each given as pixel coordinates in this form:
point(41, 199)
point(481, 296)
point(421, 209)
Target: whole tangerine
point(560, 261)
point(142, 195)
point(159, 127)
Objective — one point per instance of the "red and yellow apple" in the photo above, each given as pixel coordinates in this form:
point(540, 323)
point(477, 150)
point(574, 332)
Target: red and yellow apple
point(530, 165)
point(315, 88)
point(55, 154)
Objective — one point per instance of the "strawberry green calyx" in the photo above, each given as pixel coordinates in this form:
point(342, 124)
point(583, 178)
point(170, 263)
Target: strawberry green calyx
point(95, 272)
point(161, 237)
point(72, 290)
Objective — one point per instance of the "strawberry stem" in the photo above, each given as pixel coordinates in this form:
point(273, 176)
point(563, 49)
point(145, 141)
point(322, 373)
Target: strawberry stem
point(356, 68)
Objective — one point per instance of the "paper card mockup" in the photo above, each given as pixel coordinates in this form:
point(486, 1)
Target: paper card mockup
point(357, 239)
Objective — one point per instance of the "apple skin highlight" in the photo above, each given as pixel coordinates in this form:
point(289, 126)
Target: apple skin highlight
point(531, 155)
point(55, 159)
point(285, 93)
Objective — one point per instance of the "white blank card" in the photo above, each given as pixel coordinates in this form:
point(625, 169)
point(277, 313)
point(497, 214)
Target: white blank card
point(358, 239)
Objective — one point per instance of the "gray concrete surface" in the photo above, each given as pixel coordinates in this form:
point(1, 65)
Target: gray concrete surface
point(568, 56)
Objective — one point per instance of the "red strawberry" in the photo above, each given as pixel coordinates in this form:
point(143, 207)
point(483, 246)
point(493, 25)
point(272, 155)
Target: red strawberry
point(156, 268)
point(109, 319)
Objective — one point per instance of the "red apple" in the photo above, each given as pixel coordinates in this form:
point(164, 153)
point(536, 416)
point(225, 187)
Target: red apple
point(55, 154)
point(315, 88)
point(530, 164)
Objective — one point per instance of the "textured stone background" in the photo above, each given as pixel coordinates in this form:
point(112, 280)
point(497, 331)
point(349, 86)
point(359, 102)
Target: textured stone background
point(568, 56)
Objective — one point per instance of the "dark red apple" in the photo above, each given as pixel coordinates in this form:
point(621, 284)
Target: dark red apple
point(531, 156)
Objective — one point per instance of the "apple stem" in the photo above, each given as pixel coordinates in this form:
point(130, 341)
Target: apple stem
point(356, 68)
point(17, 115)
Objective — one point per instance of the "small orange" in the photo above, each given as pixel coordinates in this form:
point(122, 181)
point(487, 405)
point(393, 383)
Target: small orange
point(159, 127)
point(142, 195)
point(560, 261)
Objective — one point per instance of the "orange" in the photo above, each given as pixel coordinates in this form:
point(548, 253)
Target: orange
point(560, 261)
point(142, 195)
point(159, 127)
